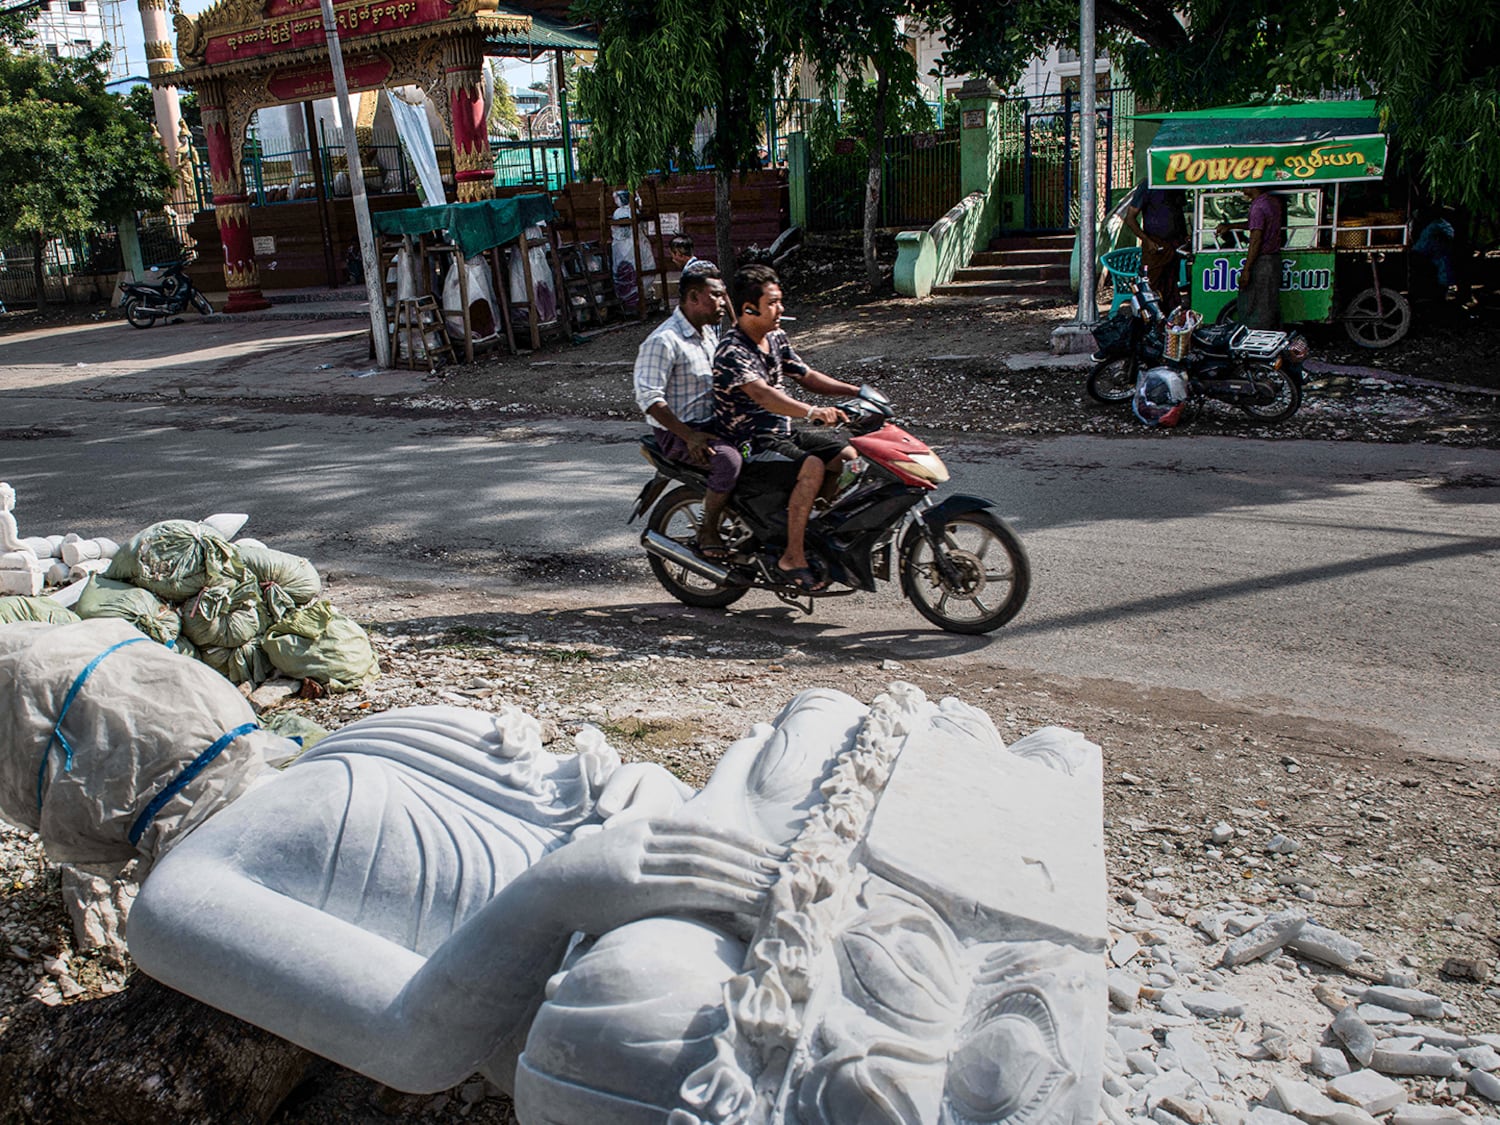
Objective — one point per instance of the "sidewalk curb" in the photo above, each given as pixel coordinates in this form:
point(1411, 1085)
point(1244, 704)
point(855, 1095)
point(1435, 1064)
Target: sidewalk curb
point(1318, 367)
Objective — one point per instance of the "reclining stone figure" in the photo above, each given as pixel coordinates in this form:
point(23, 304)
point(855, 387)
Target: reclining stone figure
point(868, 915)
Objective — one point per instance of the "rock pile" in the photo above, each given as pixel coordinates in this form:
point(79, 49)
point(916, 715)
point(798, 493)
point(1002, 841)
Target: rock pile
point(1227, 1013)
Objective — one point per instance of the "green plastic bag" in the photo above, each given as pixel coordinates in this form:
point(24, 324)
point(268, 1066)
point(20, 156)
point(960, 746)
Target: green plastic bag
point(225, 614)
point(289, 724)
point(103, 597)
point(286, 580)
point(176, 558)
point(317, 642)
point(14, 608)
point(246, 664)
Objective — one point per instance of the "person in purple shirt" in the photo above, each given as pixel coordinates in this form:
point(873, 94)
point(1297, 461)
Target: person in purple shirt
point(1260, 277)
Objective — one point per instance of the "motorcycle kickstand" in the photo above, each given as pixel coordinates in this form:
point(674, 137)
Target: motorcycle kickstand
point(780, 590)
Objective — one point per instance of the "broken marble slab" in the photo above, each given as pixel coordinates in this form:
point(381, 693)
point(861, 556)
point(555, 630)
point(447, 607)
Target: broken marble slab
point(1369, 1090)
point(1410, 1000)
point(1270, 935)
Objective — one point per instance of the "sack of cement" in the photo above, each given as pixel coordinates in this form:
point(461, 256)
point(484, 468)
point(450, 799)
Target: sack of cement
point(317, 642)
point(114, 746)
point(103, 597)
point(286, 581)
point(15, 608)
point(243, 664)
point(176, 558)
point(225, 614)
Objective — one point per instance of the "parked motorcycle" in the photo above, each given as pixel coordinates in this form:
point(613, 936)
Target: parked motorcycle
point(959, 563)
point(1258, 371)
point(144, 304)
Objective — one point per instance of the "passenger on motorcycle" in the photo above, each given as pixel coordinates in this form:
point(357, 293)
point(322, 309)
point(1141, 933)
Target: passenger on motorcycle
point(674, 386)
point(752, 411)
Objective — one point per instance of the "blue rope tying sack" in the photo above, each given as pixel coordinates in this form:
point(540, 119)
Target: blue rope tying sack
point(57, 734)
point(178, 783)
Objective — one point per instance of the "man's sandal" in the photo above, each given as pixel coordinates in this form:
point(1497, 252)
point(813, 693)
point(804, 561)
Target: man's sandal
point(803, 579)
point(712, 552)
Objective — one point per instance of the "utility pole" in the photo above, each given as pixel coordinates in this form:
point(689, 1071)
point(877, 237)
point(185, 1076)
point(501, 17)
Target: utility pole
point(1088, 202)
point(373, 288)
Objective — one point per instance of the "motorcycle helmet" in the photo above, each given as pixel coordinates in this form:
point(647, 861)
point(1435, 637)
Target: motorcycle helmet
point(1160, 396)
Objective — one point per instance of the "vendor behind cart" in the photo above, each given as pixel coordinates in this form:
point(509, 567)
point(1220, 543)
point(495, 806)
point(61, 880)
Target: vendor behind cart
point(1260, 277)
point(1154, 216)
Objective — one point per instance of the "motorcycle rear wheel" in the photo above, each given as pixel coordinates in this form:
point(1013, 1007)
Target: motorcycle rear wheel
point(994, 575)
point(135, 314)
point(1288, 394)
point(678, 515)
point(1113, 381)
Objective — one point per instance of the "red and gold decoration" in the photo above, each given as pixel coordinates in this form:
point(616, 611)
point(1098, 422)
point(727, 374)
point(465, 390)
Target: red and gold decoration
point(231, 205)
point(473, 163)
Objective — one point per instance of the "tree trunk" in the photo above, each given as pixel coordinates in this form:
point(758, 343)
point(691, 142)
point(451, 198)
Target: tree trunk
point(38, 269)
point(873, 176)
point(143, 1056)
point(723, 221)
point(1463, 255)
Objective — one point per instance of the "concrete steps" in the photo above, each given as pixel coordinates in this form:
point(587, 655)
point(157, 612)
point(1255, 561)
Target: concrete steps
point(1031, 266)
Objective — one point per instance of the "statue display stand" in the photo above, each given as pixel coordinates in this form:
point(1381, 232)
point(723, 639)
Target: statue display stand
point(869, 914)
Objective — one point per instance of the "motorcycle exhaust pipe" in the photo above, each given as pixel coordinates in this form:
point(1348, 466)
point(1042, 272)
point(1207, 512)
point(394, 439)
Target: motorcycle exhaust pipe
point(664, 548)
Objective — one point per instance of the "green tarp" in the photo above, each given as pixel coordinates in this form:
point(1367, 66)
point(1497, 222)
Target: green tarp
point(475, 227)
point(1237, 146)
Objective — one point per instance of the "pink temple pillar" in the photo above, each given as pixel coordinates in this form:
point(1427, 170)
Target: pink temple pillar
point(473, 163)
point(231, 205)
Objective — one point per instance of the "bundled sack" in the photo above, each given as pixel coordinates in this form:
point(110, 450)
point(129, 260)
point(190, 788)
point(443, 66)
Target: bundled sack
point(243, 664)
point(225, 614)
point(185, 647)
point(13, 609)
point(175, 559)
point(317, 642)
point(149, 745)
point(286, 581)
point(103, 597)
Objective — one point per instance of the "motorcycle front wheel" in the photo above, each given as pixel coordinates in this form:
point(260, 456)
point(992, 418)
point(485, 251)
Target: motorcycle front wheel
point(135, 314)
point(989, 574)
point(202, 304)
point(1113, 381)
point(1282, 397)
point(677, 515)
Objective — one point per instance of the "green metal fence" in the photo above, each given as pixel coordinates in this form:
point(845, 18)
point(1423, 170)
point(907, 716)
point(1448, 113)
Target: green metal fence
point(919, 182)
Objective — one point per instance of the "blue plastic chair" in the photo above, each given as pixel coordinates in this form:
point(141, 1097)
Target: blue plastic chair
point(1124, 265)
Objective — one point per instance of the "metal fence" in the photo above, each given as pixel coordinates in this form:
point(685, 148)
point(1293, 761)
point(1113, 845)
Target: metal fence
point(919, 182)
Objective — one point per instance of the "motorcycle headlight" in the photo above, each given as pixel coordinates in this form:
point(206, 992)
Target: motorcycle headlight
point(924, 466)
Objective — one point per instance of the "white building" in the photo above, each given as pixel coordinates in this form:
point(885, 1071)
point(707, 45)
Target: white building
point(1050, 73)
point(69, 29)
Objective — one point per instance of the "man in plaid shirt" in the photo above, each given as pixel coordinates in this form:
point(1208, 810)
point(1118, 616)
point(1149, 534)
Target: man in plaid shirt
point(674, 385)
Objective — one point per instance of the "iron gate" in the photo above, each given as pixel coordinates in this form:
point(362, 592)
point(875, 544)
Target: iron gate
point(1050, 171)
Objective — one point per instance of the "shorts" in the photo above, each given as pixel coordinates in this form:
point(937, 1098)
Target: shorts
point(824, 443)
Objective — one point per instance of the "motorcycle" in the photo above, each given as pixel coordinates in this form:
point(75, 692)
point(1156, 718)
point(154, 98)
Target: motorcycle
point(144, 304)
point(958, 562)
point(1256, 370)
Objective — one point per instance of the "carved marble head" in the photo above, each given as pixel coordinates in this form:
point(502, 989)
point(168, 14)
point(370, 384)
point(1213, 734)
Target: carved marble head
point(932, 952)
point(7, 497)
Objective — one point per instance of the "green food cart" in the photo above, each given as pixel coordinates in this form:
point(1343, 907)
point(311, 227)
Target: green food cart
point(1344, 258)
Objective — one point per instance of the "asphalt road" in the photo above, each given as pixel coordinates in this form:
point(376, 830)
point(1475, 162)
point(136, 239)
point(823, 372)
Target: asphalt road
point(1346, 582)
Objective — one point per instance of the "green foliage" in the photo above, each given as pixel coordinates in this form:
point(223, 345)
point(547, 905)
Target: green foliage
point(1439, 85)
point(855, 119)
point(74, 158)
point(16, 29)
point(505, 118)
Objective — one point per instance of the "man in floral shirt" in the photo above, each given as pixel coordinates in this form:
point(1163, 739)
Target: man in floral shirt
point(754, 412)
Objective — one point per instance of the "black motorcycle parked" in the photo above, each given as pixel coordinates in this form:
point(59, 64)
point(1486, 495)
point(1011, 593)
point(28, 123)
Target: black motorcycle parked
point(144, 305)
point(1258, 371)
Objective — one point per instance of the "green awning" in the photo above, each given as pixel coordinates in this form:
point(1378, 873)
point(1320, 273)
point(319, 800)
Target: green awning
point(475, 227)
point(543, 36)
point(1267, 145)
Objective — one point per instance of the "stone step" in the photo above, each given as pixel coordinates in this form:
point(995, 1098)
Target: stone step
point(1019, 257)
point(1049, 271)
point(1054, 242)
point(960, 288)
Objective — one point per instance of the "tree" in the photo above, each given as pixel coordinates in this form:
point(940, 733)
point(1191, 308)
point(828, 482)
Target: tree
point(15, 24)
point(74, 158)
point(849, 37)
point(505, 118)
point(662, 65)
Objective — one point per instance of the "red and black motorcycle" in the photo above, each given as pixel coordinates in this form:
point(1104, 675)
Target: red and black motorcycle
point(959, 563)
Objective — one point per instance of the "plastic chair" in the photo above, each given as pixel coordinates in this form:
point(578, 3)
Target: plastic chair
point(1124, 265)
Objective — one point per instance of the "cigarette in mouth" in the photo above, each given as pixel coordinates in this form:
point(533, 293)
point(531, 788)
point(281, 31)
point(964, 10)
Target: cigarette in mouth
point(786, 318)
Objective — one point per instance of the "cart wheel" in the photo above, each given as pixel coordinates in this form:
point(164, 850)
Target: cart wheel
point(1377, 320)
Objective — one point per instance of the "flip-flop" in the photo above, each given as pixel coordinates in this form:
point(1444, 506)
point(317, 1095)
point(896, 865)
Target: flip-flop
point(713, 552)
point(802, 578)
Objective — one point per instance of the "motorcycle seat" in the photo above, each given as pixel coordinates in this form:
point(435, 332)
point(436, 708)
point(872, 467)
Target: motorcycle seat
point(1217, 339)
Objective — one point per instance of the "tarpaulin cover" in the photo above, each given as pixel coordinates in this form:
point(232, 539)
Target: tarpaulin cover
point(101, 724)
point(475, 227)
point(1237, 146)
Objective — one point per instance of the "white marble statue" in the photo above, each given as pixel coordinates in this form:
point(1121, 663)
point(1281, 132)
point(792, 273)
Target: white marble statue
point(868, 915)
